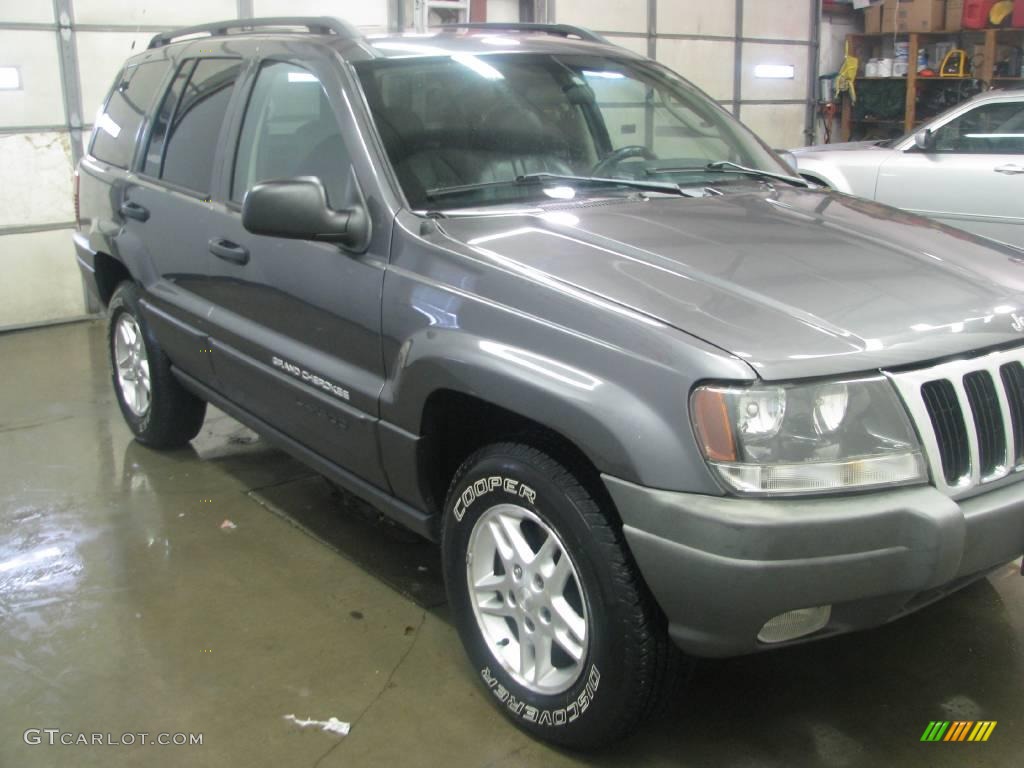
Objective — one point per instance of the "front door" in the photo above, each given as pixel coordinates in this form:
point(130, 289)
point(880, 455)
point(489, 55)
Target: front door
point(297, 323)
point(972, 179)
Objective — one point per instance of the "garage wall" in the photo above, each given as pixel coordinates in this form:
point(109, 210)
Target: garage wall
point(717, 46)
point(67, 53)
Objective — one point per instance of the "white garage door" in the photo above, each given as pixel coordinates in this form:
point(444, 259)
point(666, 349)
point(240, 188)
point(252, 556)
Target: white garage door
point(723, 47)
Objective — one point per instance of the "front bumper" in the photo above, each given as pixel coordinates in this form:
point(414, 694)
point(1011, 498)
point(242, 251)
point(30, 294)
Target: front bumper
point(720, 567)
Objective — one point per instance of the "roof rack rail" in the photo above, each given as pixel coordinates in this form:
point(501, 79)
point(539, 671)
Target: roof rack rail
point(319, 25)
point(559, 30)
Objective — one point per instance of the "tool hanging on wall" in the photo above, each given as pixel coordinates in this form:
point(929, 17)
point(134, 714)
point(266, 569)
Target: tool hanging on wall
point(846, 80)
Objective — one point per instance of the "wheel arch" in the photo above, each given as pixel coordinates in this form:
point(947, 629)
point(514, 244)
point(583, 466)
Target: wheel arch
point(452, 396)
point(110, 273)
point(455, 424)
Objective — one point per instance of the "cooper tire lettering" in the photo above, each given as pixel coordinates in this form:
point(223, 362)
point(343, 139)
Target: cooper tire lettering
point(486, 485)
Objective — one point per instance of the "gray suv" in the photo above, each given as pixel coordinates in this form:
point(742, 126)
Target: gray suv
point(542, 300)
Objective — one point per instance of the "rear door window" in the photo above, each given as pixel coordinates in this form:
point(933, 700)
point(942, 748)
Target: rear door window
point(190, 137)
point(119, 124)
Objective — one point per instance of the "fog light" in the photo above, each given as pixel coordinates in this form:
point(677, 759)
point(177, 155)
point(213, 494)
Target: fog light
point(794, 624)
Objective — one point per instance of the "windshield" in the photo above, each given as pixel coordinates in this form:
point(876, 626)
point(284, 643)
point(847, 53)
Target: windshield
point(471, 130)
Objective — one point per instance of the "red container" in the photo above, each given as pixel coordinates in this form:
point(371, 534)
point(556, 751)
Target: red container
point(976, 13)
point(1018, 14)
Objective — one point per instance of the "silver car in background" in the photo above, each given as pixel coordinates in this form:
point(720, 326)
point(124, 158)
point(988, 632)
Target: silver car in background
point(964, 168)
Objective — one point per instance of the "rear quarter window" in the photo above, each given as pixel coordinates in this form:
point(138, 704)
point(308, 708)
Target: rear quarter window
point(119, 124)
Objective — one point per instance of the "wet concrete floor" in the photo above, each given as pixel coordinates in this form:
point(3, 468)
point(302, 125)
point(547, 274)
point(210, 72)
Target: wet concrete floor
point(126, 608)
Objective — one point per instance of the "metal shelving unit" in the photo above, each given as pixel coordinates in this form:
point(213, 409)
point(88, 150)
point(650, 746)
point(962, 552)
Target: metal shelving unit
point(863, 45)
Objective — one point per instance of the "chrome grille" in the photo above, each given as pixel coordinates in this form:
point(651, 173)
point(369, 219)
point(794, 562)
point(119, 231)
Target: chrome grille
point(970, 416)
point(947, 421)
point(1012, 375)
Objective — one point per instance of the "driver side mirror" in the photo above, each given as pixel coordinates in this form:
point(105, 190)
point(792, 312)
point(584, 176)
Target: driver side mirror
point(297, 209)
point(925, 140)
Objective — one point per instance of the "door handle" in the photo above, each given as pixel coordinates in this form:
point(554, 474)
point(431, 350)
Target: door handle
point(135, 211)
point(229, 251)
point(1010, 170)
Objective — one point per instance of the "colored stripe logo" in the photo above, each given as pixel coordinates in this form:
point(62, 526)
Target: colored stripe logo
point(958, 730)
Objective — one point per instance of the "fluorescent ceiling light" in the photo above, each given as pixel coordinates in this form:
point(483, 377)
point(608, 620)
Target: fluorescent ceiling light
point(302, 77)
point(775, 71)
point(605, 75)
point(10, 79)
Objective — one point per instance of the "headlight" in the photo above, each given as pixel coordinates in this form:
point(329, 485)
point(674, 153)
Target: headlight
point(807, 438)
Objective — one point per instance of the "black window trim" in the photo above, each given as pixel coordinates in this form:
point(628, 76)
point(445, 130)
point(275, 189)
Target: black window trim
point(143, 146)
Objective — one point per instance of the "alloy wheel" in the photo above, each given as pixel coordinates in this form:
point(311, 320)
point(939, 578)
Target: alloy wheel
point(527, 599)
point(132, 365)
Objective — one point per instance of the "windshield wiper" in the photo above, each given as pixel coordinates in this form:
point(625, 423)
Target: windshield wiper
point(726, 166)
point(541, 178)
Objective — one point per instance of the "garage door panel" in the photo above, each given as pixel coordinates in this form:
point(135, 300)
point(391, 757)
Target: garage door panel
point(38, 101)
point(777, 19)
point(26, 12)
point(41, 279)
point(707, 63)
point(362, 13)
point(697, 17)
point(781, 126)
point(150, 12)
point(608, 15)
point(45, 158)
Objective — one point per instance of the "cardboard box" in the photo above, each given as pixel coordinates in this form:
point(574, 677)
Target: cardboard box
point(889, 16)
point(914, 16)
point(873, 19)
point(955, 15)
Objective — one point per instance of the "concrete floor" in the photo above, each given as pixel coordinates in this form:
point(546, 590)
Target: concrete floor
point(125, 607)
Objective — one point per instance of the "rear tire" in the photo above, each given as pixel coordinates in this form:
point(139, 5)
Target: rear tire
point(160, 412)
point(595, 659)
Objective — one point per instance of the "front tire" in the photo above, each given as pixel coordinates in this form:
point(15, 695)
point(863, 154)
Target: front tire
point(547, 600)
point(160, 412)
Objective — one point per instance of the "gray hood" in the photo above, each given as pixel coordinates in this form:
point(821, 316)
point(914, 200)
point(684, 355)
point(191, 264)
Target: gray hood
point(797, 283)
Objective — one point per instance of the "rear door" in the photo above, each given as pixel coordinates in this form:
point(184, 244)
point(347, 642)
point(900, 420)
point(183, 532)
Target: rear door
point(166, 205)
point(297, 338)
point(974, 177)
